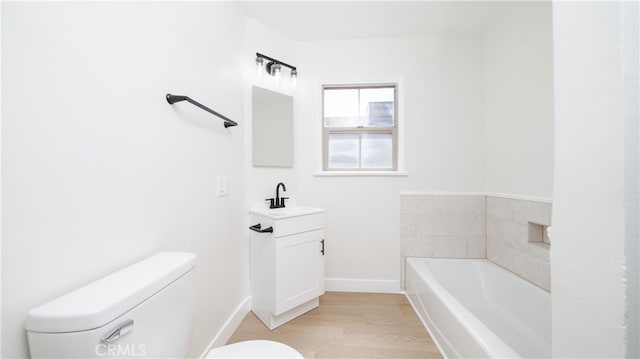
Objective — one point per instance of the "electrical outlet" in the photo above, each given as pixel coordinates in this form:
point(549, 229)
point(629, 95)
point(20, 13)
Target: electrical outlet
point(223, 186)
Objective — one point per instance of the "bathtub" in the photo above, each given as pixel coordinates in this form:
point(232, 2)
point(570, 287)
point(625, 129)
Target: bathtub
point(475, 309)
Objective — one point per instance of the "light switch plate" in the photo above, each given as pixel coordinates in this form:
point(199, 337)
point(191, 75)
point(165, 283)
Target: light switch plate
point(223, 186)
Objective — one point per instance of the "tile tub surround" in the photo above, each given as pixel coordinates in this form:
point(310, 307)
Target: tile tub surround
point(509, 224)
point(478, 226)
point(445, 226)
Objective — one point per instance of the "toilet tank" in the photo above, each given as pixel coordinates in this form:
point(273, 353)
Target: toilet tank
point(142, 311)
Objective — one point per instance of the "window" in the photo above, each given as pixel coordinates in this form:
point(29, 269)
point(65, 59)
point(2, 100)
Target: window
point(360, 127)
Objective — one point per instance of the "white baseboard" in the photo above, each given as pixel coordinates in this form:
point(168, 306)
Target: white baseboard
point(361, 285)
point(229, 326)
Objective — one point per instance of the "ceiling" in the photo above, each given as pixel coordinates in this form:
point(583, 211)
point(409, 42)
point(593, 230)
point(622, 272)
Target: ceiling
point(335, 20)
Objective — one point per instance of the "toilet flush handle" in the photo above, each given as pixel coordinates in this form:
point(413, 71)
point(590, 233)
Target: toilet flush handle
point(119, 331)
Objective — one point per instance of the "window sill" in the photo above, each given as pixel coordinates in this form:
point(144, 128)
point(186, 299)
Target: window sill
point(360, 174)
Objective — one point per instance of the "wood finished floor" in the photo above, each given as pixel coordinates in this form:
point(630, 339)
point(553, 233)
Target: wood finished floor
point(350, 325)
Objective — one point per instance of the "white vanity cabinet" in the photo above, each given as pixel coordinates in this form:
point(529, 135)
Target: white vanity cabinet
point(287, 264)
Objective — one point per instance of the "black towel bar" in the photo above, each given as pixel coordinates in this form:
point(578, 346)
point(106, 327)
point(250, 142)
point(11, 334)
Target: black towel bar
point(171, 99)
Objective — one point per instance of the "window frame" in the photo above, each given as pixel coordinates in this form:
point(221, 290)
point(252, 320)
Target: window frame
point(326, 131)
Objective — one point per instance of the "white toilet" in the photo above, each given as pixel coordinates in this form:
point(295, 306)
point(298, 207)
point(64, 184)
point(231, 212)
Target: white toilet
point(142, 311)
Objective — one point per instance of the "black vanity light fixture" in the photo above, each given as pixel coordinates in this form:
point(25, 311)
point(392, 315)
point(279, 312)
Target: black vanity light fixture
point(273, 66)
point(171, 99)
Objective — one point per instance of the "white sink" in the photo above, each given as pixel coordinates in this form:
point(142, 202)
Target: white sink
point(286, 212)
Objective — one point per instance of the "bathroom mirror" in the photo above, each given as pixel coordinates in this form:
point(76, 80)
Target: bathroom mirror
point(272, 134)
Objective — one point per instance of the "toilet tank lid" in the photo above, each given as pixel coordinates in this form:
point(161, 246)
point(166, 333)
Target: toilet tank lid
point(102, 301)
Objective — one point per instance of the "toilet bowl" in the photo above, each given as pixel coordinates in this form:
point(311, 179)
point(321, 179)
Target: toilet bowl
point(142, 311)
point(254, 349)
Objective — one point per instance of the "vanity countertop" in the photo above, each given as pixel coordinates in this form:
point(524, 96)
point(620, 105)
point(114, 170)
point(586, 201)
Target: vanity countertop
point(286, 212)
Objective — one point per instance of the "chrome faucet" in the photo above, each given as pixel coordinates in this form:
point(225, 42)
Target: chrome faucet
point(278, 202)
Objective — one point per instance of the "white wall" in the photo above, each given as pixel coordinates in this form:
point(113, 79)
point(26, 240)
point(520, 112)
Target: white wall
point(631, 70)
point(477, 116)
point(261, 181)
point(98, 171)
point(440, 107)
point(0, 187)
point(596, 167)
point(518, 92)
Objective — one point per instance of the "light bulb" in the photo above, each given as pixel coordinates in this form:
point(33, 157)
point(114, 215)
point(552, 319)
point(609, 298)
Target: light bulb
point(294, 78)
point(259, 63)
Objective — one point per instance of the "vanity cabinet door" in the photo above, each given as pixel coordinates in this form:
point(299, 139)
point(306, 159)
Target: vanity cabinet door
point(299, 269)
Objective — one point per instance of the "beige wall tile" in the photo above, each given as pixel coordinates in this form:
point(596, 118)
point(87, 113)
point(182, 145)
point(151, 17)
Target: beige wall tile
point(518, 236)
point(413, 246)
point(467, 225)
point(449, 247)
point(508, 234)
point(535, 232)
point(534, 269)
point(408, 205)
point(476, 247)
point(493, 227)
point(415, 204)
point(540, 250)
point(409, 224)
point(477, 227)
point(435, 225)
point(493, 207)
point(477, 205)
point(538, 212)
point(545, 275)
point(500, 253)
point(445, 220)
